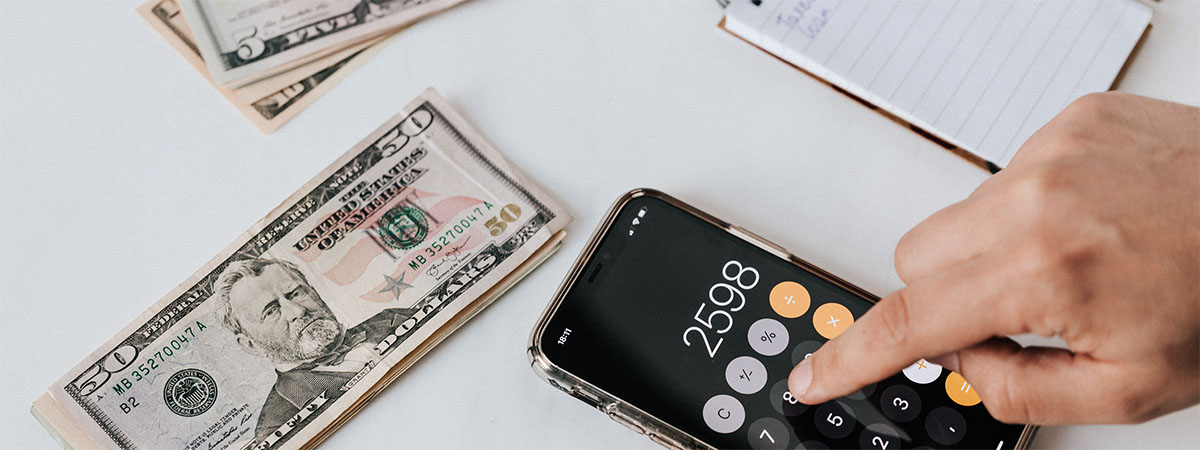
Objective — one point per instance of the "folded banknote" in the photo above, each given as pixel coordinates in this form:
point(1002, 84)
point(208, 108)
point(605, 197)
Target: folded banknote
point(288, 332)
point(270, 102)
point(242, 42)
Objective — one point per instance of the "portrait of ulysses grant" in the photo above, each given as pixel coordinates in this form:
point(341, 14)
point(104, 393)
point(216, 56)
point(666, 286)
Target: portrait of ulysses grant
point(276, 314)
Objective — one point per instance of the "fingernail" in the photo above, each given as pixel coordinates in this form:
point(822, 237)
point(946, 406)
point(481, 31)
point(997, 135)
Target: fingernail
point(800, 379)
point(949, 361)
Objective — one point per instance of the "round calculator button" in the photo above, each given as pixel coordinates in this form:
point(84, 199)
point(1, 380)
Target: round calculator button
point(960, 390)
point(923, 372)
point(879, 436)
point(945, 426)
point(833, 420)
point(804, 350)
point(724, 414)
point(768, 433)
point(831, 320)
point(900, 403)
point(768, 337)
point(783, 401)
point(790, 299)
point(746, 375)
point(812, 445)
point(863, 393)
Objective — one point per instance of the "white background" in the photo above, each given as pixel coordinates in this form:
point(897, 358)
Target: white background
point(122, 171)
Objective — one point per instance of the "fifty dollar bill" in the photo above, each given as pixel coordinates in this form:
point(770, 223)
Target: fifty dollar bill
point(287, 332)
point(245, 41)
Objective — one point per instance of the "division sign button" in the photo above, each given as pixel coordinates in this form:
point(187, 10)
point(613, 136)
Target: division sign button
point(790, 299)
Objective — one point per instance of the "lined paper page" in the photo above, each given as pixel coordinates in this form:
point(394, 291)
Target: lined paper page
point(982, 75)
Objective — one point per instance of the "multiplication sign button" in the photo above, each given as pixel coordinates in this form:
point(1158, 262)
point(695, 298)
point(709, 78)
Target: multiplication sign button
point(746, 375)
point(831, 319)
point(768, 337)
point(724, 414)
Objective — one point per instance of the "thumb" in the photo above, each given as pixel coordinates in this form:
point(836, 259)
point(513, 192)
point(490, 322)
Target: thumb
point(1036, 385)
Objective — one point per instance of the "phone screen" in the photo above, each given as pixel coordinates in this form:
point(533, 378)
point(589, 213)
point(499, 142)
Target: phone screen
point(699, 328)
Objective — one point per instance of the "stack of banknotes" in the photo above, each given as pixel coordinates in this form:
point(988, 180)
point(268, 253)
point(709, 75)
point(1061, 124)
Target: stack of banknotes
point(289, 331)
point(272, 58)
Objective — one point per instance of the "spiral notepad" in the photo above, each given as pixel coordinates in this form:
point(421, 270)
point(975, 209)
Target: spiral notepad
point(981, 76)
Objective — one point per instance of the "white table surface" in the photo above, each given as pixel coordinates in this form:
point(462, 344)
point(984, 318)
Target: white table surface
point(122, 171)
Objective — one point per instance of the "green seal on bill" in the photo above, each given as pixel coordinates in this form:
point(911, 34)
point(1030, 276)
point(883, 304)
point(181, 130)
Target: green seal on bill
point(403, 227)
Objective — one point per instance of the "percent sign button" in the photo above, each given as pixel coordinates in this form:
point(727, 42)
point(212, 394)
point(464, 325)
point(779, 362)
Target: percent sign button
point(768, 337)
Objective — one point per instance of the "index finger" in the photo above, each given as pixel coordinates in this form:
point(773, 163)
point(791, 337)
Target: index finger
point(949, 311)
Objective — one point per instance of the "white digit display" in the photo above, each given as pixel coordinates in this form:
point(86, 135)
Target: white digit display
point(723, 295)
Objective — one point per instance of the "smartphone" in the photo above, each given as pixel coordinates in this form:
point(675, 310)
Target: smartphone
point(684, 327)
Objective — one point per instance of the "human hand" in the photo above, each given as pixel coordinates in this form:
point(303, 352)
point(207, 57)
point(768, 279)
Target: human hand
point(1091, 234)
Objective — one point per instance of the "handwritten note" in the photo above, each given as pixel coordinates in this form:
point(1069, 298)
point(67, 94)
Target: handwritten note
point(802, 18)
point(982, 75)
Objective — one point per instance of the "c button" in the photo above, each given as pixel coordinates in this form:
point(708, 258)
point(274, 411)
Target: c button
point(724, 414)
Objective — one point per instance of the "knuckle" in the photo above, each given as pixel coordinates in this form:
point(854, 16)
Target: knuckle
point(1039, 186)
point(1138, 402)
point(1008, 404)
point(1131, 406)
point(1059, 278)
point(1093, 107)
point(1093, 120)
point(893, 319)
point(903, 259)
point(1074, 135)
point(1055, 281)
point(1058, 262)
point(1038, 252)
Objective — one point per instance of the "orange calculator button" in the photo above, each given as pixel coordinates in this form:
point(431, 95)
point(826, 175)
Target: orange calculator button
point(790, 299)
point(960, 390)
point(831, 319)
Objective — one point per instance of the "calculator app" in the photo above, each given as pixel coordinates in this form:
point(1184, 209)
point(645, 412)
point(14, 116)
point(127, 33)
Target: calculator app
point(701, 329)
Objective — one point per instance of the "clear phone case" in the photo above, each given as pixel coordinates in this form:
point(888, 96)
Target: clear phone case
point(621, 411)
